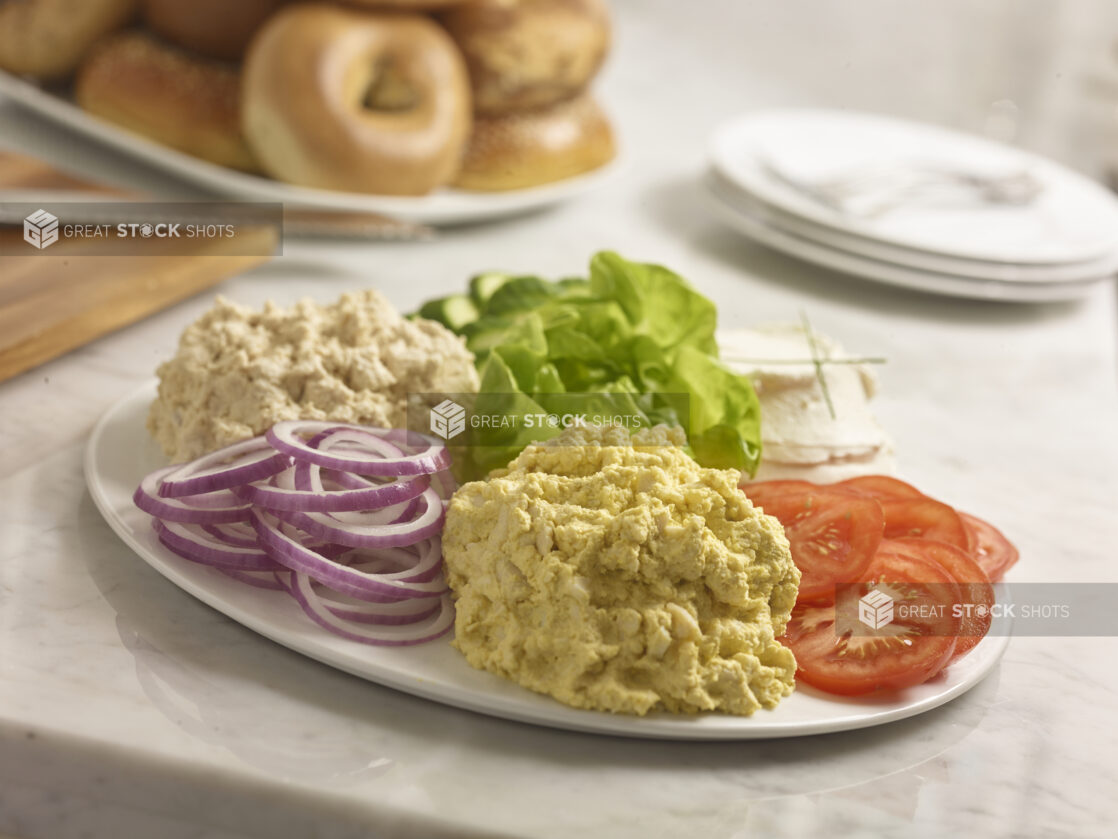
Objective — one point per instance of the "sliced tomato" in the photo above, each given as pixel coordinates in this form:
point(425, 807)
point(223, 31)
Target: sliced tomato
point(881, 487)
point(854, 663)
point(757, 491)
point(833, 534)
point(977, 595)
point(917, 578)
point(990, 549)
point(914, 645)
point(933, 564)
point(924, 518)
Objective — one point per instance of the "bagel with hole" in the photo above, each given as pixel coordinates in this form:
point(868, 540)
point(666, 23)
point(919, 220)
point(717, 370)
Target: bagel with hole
point(530, 148)
point(217, 28)
point(529, 53)
point(47, 39)
point(176, 98)
point(343, 99)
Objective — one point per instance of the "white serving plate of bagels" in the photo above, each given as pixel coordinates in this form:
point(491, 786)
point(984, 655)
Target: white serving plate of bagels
point(432, 111)
point(442, 207)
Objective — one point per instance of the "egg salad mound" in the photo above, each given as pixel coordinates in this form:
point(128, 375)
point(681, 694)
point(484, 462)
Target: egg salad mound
point(616, 574)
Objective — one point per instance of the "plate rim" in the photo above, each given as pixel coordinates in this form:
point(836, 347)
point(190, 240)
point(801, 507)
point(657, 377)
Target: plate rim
point(718, 139)
point(976, 270)
point(447, 207)
point(525, 705)
point(867, 268)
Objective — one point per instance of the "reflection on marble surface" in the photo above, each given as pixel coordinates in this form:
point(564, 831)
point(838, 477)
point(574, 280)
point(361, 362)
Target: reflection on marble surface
point(223, 691)
point(252, 730)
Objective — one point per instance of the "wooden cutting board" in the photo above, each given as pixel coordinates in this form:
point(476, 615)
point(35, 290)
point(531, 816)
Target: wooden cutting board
point(53, 302)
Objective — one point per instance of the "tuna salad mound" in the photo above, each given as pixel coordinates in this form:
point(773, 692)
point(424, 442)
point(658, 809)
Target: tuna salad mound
point(238, 371)
point(615, 573)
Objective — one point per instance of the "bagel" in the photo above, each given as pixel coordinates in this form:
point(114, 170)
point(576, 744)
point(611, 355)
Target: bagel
point(408, 5)
point(168, 95)
point(356, 101)
point(47, 39)
point(217, 28)
point(529, 53)
point(530, 148)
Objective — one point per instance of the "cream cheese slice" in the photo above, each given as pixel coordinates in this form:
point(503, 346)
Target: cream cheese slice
point(798, 429)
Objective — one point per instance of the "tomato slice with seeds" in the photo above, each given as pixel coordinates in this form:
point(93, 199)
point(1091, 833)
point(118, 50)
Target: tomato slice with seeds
point(840, 654)
point(833, 534)
point(851, 665)
point(933, 564)
point(881, 487)
point(989, 547)
point(920, 578)
point(977, 595)
point(924, 518)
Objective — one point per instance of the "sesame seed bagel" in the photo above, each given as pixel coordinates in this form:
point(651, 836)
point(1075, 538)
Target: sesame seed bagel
point(529, 53)
point(166, 94)
point(530, 148)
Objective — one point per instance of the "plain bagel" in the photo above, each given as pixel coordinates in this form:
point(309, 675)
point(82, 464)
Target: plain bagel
point(529, 53)
point(530, 148)
point(217, 28)
point(49, 38)
point(405, 5)
point(356, 101)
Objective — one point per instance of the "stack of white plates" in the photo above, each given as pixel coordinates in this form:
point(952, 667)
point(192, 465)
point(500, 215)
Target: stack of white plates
point(914, 205)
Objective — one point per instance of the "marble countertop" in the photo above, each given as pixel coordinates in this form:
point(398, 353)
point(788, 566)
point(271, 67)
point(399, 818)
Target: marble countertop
point(128, 709)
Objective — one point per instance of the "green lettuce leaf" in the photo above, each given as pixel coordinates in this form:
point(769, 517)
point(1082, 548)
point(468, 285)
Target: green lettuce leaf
point(638, 333)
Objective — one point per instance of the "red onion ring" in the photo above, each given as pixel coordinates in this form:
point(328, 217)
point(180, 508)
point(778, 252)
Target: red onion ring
point(237, 535)
point(341, 578)
point(391, 527)
point(384, 613)
point(420, 567)
point(283, 492)
point(382, 444)
point(339, 480)
point(392, 564)
point(220, 507)
point(396, 514)
point(370, 568)
point(417, 632)
point(374, 455)
point(198, 546)
point(269, 580)
point(243, 535)
point(248, 460)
